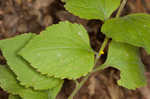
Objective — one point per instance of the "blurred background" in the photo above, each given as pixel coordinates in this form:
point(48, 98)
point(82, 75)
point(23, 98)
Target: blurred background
point(24, 16)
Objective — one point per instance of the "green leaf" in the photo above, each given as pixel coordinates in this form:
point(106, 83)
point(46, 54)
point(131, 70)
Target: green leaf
point(92, 9)
point(9, 83)
point(27, 75)
point(13, 97)
point(53, 92)
point(133, 29)
point(62, 50)
point(126, 58)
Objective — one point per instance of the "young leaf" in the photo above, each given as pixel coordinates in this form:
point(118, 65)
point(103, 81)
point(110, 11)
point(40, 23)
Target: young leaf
point(126, 58)
point(27, 75)
point(133, 29)
point(92, 9)
point(9, 83)
point(62, 50)
point(13, 97)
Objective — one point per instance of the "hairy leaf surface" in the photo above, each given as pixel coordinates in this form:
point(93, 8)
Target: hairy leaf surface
point(25, 74)
point(62, 50)
point(133, 29)
point(92, 9)
point(126, 58)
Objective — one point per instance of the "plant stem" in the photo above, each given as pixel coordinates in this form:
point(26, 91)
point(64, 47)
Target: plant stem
point(121, 8)
point(87, 76)
point(101, 51)
point(117, 16)
point(79, 85)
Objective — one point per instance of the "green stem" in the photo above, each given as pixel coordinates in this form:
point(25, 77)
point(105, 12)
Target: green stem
point(79, 85)
point(117, 16)
point(121, 8)
point(103, 46)
point(87, 76)
point(101, 49)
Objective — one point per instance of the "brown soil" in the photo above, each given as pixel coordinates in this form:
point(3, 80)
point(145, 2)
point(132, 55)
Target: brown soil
point(23, 16)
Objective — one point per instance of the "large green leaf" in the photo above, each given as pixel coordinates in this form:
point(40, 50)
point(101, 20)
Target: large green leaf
point(126, 58)
point(62, 50)
point(9, 83)
point(13, 97)
point(133, 29)
point(27, 75)
point(92, 9)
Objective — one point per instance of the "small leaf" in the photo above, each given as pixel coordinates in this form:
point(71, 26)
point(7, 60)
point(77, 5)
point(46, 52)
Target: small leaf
point(126, 58)
point(13, 97)
point(92, 9)
point(27, 75)
point(9, 83)
point(62, 50)
point(133, 29)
